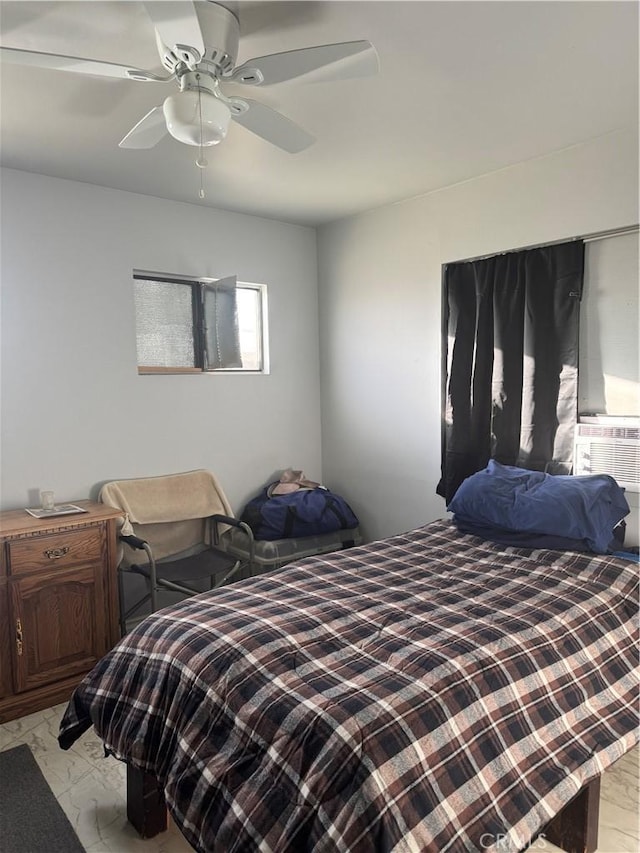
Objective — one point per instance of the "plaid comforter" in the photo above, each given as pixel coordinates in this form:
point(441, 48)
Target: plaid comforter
point(427, 692)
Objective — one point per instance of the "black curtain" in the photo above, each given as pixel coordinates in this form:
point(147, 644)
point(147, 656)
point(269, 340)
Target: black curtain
point(510, 361)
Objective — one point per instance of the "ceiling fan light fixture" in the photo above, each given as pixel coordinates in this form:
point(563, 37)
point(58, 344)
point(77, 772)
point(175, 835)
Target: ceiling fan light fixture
point(185, 122)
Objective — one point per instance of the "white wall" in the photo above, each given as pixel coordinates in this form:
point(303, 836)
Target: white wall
point(74, 411)
point(609, 352)
point(379, 294)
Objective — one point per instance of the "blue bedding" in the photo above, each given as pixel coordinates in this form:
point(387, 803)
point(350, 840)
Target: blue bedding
point(579, 512)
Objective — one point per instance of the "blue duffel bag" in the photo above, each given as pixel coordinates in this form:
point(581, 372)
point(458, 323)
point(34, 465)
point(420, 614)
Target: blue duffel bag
point(305, 512)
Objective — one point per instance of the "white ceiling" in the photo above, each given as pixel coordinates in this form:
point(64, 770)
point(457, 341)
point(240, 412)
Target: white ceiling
point(464, 88)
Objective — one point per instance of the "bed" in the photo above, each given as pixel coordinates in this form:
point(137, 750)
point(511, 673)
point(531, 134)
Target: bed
point(430, 692)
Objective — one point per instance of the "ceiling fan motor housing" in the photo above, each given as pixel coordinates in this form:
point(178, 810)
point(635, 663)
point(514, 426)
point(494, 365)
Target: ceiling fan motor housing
point(221, 33)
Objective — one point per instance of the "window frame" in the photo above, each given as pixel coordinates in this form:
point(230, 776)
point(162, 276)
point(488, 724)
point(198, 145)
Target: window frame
point(197, 284)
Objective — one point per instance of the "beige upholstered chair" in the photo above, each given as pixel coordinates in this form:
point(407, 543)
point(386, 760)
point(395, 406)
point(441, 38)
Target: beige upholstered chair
point(171, 535)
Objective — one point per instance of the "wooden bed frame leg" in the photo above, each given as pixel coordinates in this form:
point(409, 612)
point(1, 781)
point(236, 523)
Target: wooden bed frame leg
point(146, 808)
point(575, 828)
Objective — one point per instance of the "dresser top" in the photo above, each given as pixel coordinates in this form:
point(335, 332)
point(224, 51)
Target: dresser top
point(18, 522)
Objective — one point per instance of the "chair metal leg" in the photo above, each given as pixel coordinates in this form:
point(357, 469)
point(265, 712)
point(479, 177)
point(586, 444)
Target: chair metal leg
point(153, 578)
point(176, 587)
point(122, 612)
point(228, 576)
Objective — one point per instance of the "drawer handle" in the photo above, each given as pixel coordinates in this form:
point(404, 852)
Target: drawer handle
point(19, 644)
point(56, 553)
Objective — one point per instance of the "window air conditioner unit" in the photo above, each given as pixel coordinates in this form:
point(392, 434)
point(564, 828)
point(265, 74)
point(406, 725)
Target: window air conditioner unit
point(609, 445)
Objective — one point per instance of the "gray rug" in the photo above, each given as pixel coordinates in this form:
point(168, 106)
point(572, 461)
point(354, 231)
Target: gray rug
point(31, 821)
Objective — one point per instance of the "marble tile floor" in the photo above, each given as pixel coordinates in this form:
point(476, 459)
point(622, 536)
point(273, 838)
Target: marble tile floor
point(91, 790)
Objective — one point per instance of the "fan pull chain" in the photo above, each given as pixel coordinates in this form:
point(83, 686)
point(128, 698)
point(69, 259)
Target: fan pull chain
point(201, 163)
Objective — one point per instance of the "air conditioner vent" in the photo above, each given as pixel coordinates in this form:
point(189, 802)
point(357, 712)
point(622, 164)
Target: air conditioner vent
point(609, 448)
point(609, 431)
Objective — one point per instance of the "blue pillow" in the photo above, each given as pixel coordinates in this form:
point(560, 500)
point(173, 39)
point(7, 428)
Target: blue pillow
point(519, 500)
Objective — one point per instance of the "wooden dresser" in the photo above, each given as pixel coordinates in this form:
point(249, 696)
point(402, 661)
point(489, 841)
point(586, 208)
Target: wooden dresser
point(58, 603)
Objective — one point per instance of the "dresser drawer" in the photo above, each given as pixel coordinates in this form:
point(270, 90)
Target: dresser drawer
point(57, 550)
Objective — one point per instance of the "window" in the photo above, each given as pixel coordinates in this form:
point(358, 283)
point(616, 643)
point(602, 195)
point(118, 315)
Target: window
point(186, 325)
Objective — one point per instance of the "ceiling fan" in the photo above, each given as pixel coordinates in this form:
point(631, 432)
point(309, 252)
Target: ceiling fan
point(198, 47)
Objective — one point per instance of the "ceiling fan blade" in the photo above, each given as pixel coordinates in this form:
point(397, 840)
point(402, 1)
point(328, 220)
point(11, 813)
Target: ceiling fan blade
point(361, 57)
point(274, 127)
point(147, 132)
point(95, 67)
point(177, 24)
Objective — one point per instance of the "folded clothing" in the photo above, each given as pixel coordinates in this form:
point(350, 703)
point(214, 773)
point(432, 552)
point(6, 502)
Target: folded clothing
point(582, 512)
